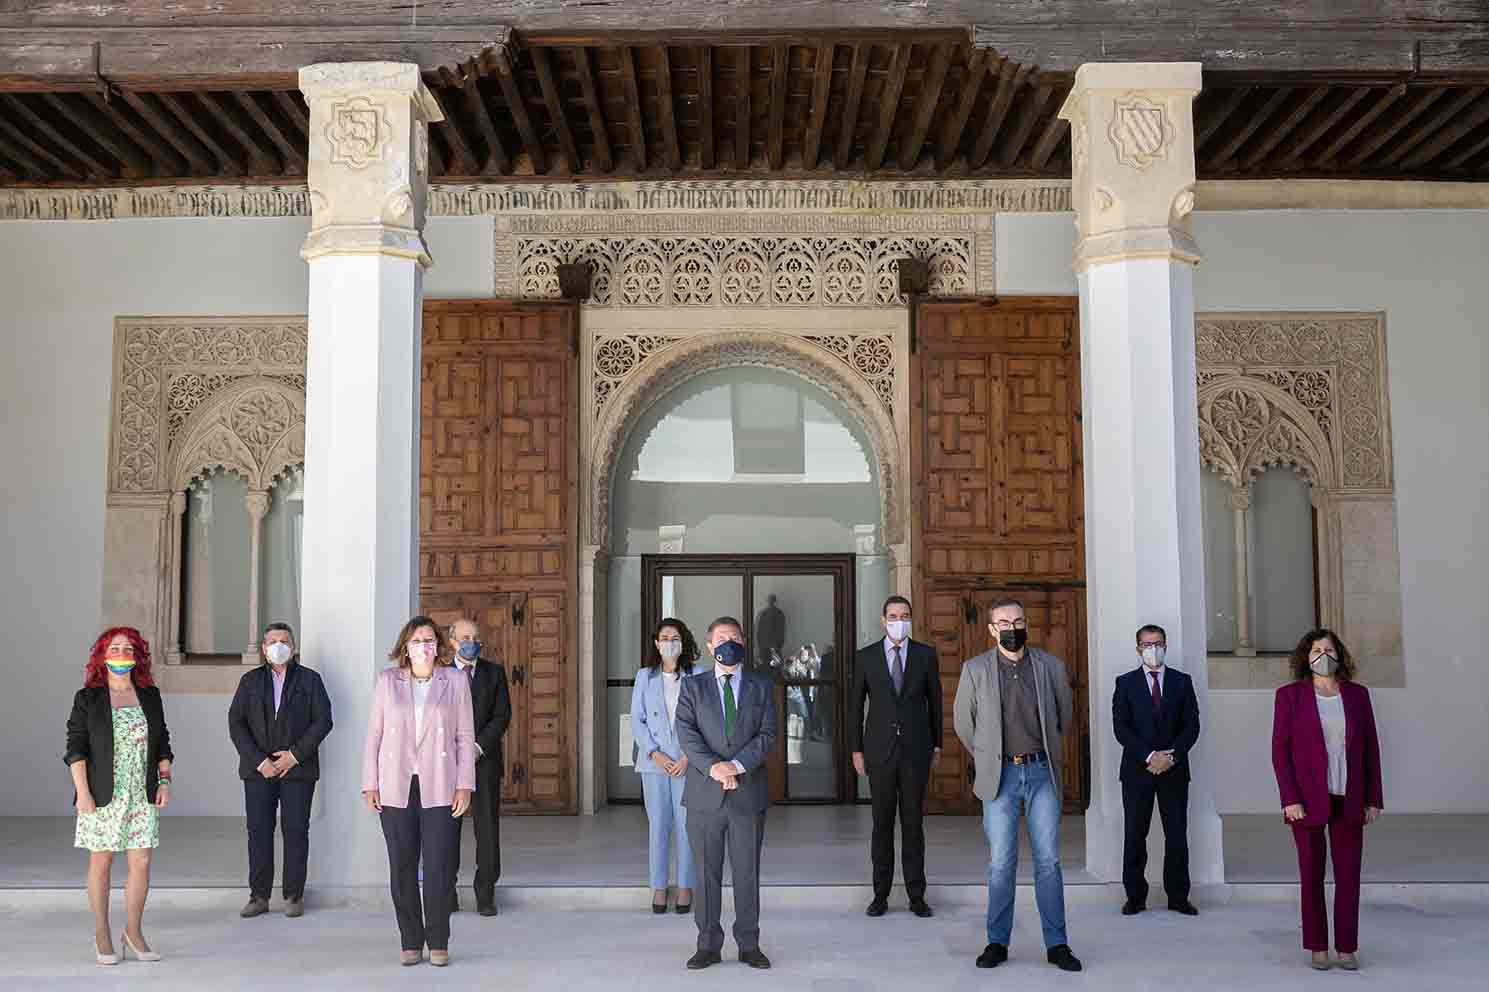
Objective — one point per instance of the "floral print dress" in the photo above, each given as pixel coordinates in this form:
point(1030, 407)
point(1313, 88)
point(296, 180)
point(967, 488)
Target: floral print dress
point(130, 821)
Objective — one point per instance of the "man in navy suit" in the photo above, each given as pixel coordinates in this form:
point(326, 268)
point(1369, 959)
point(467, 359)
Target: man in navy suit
point(1155, 714)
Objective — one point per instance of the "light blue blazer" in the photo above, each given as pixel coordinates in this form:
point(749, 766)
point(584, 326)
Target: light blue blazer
point(650, 727)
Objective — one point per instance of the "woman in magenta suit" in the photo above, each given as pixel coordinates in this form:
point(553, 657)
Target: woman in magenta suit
point(418, 772)
point(1327, 759)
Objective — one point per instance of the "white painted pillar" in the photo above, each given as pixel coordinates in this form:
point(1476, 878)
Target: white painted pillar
point(594, 670)
point(1132, 136)
point(368, 180)
point(257, 503)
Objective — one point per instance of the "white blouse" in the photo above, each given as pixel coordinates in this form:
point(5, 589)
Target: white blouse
point(1331, 715)
point(671, 690)
point(421, 696)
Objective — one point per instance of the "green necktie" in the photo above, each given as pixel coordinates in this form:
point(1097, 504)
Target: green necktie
point(728, 705)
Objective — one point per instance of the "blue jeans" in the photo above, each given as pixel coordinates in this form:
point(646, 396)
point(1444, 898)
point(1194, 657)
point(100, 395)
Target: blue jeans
point(666, 826)
point(1030, 784)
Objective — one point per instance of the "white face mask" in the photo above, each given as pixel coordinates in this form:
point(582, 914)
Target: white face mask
point(279, 653)
point(1324, 664)
point(669, 650)
point(898, 630)
point(1153, 655)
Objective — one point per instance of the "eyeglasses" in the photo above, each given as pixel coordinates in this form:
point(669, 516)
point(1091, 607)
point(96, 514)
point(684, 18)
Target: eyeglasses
point(1014, 625)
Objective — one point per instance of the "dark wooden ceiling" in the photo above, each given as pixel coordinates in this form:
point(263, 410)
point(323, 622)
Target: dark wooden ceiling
point(837, 104)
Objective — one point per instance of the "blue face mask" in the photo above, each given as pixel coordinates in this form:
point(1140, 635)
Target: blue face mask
point(470, 650)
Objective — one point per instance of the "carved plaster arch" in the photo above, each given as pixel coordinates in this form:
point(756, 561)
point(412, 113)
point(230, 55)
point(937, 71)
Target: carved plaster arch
point(254, 427)
point(1247, 425)
point(660, 373)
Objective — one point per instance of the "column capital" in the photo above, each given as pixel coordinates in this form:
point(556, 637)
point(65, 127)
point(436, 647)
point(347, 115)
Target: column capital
point(1240, 498)
point(257, 502)
point(369, 159)
point(1132, 160)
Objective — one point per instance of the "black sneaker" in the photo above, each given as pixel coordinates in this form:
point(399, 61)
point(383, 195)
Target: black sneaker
point(1061, 958)
point(992, 955)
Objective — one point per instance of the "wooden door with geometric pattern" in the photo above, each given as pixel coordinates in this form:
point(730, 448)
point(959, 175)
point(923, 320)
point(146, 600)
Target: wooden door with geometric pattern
point(995, 452)
point(498, 517)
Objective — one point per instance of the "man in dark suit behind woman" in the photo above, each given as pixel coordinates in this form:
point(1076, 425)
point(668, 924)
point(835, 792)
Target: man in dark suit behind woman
point(1155, 715)
point(491, 707)
point(277, 720)
point(900, 681)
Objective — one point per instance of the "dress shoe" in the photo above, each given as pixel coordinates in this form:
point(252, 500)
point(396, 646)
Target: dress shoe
point(254, 907)
point(104, 959)
point(1132, 907)
point(294, 908)
point(992, 955)
point(703, 959)
point(877, 908)
point(1061, 958)
point(755, 958)
point(439, 958)
point(486, 908)
point(683, 908)
point(1183, 906)
point(922, 909)
point(1349, 962)
point(1320, 961)
point(139, 955)
point(410, 958)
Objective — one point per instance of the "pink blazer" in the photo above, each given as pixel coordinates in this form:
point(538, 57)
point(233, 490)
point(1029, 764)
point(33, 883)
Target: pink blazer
point(444, 756)
point(1301, 759)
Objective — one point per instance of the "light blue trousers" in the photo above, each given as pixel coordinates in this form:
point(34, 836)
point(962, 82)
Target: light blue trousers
point(1031, 786)
point(667, 826)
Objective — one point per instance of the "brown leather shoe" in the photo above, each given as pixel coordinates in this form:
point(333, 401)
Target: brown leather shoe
point(294, 907)
point(254, 907)
point(410, 958)
point(439, 958)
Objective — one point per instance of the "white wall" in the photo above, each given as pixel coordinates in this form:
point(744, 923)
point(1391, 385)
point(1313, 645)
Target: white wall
point(61, 286)
point(1427, 271)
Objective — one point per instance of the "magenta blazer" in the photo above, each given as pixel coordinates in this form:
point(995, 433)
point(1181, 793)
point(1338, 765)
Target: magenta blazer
point(444, 758)
point(1301, 760)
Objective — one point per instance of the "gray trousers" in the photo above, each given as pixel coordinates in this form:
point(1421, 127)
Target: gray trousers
point(740, 833)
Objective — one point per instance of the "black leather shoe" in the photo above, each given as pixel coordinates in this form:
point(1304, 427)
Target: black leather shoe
point(683, 908)
point(754, 958)
point(992, 955)
point(1061, 958)
point(877, 908)
point(486, 908)
point(1183, 906)
point(703, 959)
point(922, 909)
point(1132, 907)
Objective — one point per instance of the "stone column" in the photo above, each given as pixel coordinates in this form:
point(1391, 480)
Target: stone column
point(257, 502)
point(368, 180)
point(1132, 135)
point(1240, 502)
point(594, 669)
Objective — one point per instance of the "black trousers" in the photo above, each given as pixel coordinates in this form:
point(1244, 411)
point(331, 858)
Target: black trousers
point(1137, 812)
point(263, 798)
point(486, 804)
point(898, 787)
point(738, 832)
point(412, 833)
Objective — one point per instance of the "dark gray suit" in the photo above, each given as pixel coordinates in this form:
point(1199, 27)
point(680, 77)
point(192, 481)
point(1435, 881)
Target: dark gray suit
point(720, 821)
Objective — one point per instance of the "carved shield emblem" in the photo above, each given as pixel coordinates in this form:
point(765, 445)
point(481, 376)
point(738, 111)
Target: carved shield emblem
point(357, 132)
point(1140, 132)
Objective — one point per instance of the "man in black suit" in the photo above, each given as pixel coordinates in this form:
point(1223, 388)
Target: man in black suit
point(277, 720)
point(491, 706)
point(726, 724)
point(900, 680)
point(1156, 717)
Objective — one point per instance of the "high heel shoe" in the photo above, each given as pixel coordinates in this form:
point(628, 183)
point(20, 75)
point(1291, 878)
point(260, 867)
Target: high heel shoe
point(139, 955)
point(104, 959)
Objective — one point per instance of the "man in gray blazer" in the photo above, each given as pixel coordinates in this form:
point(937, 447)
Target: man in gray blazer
point(726, 724)
point(1013, 704)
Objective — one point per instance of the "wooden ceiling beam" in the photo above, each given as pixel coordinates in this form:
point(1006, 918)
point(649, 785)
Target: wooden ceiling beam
point(858, 70)
point(92, 163)
point(168, 162)
point(449, 128)
point(1243, 134)
point(97, 128)
point(293, 111)
point(263, 160)
point(1228, 105)
point(633, 107)
point(197, 157)
point(295, 153)
point(228, 164)
point(811, 147)
point(504, 60)
point(951, 135)
point(889, 106)
point(667, 111)
point(1285, 127)
point(25, 146)
point(703, 58)
point(926, 103)
point(775, 122)
point(498, 161)
point(1011, 77)
point(742, 110)
point(1342, 140)
point(553, 99)
point(1436, 122)
point(1027, 118)
point(1461, 156)
point(1369, 143)
point(604, 161)
point(1049, 140)
point(1344, 101)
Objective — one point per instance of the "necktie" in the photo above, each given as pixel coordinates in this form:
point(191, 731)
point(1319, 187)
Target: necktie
point(897, 671)
point(1157, 696)
point(729, 705)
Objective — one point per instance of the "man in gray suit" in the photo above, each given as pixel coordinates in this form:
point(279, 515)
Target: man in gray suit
point(726, 724)
point(1013, 704)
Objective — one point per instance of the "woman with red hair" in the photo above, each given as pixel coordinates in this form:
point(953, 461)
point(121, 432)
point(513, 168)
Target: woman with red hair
point(119, 753)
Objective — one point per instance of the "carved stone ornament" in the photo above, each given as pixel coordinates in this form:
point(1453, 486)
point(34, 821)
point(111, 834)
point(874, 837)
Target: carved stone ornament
point(358, 131)
point(1140, 131)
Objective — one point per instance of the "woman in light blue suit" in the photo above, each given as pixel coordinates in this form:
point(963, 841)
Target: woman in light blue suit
point(659, 757)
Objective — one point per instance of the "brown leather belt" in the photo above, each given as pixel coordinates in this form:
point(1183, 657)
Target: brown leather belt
point(1024, 759)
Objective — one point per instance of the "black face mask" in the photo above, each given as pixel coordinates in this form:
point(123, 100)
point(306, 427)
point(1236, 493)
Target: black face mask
point(1013, 640)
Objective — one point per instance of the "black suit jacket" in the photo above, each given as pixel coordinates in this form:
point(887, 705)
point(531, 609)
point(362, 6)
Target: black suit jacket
point(303, 720)
point(1139, 734)
point(491, 705)
point(90, 738)
point(911, 718)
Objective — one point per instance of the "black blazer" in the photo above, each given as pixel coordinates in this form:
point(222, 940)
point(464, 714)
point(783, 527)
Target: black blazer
point(90, 738)
point(911, 718)
point(303, 721)
point(1139, 734)
point(491, 705)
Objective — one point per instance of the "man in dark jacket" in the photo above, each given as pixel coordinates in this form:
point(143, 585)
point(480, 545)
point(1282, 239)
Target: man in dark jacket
point(277, 720)
point(491, 705)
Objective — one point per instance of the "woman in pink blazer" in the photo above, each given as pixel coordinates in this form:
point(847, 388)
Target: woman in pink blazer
point(418, 772)
point(1327, 759)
